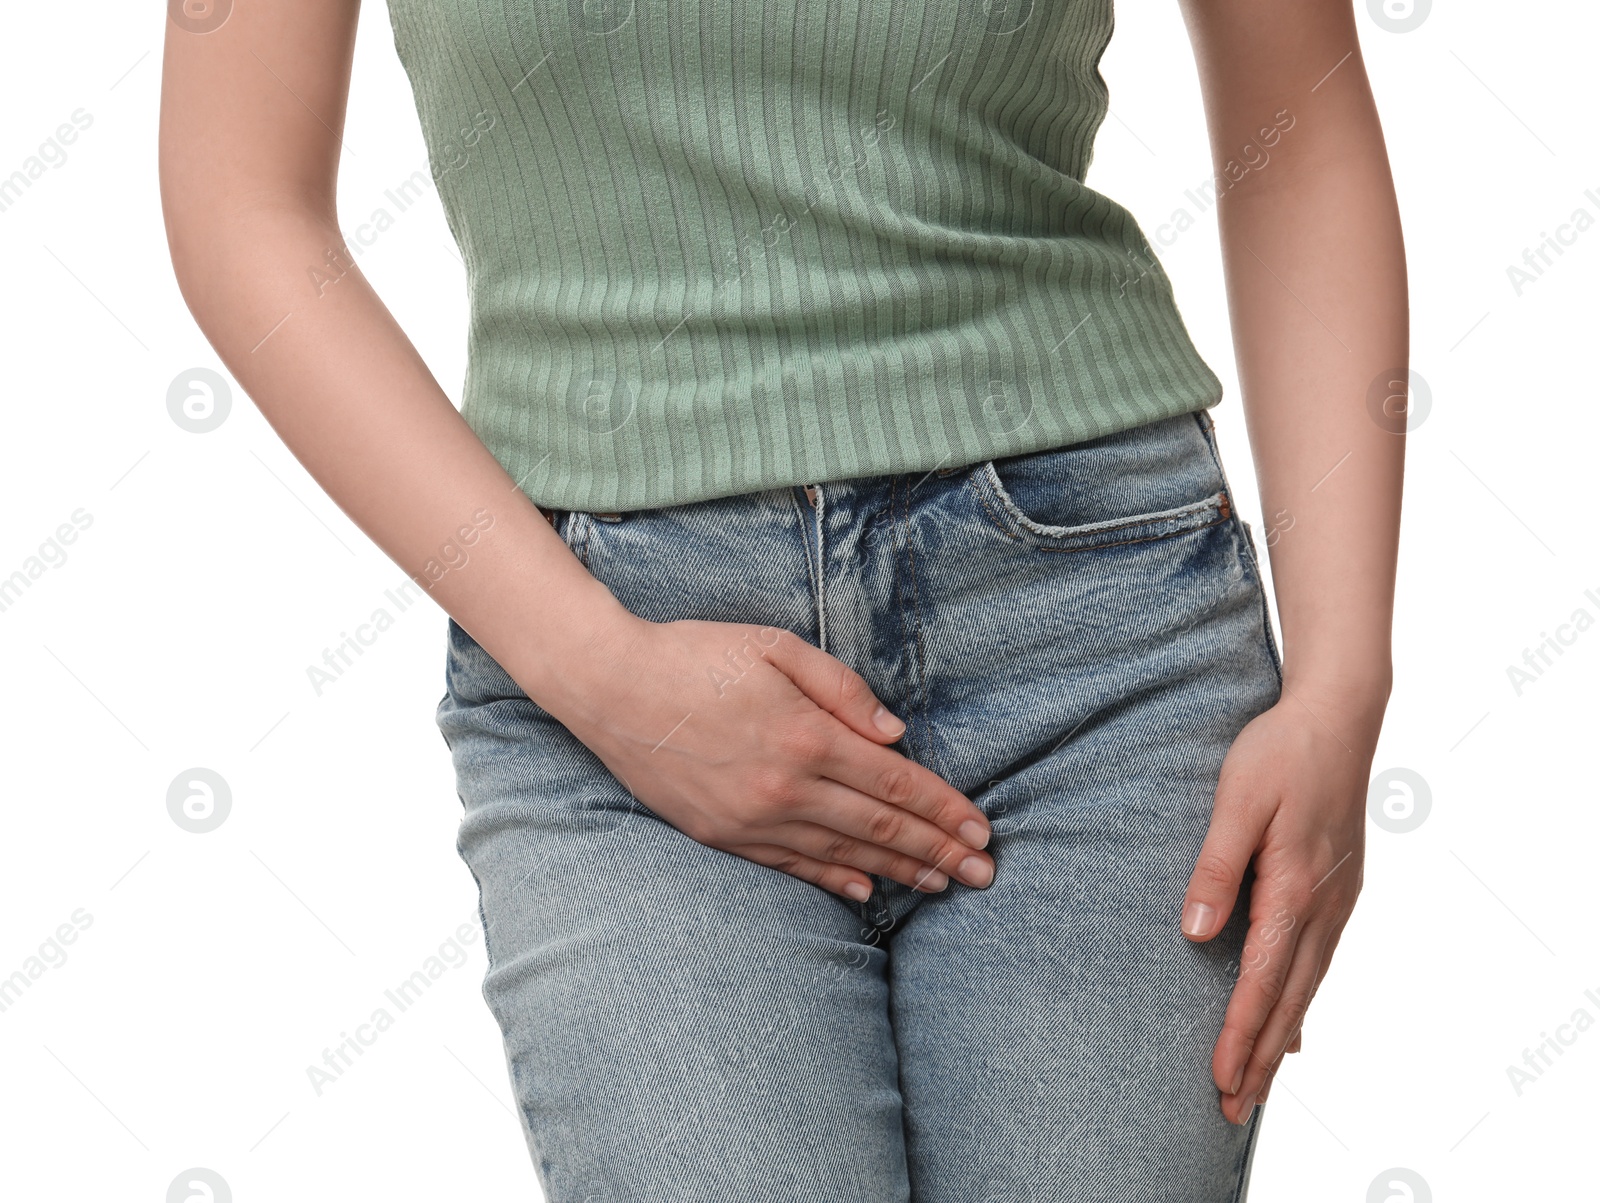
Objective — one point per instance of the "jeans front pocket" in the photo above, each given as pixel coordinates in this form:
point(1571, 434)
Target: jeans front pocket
point(1149, 482)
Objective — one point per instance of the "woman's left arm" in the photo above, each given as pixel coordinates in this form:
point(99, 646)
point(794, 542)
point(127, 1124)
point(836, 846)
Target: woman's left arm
point(1317, 295)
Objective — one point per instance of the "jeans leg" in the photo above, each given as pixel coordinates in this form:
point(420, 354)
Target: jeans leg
point(1056, 1029)
point(1089, 642)
point(681, 1025)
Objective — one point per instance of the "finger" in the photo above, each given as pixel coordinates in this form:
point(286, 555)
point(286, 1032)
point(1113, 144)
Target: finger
point(885, 774)
point(1328, 945)
point(1232, 839)
point(853, 813)
point(1266, 1088)
point(1263, 968)
point(837, 879)
point(1272, 1076)
point(1287, 1015)
point(835, 847)
point(1327, 952)
point(830, 683)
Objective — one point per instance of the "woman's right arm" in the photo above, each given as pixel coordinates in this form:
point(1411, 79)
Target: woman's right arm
point(800, 778)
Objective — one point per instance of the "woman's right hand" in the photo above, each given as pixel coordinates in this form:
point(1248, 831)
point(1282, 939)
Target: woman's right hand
point(753, 741)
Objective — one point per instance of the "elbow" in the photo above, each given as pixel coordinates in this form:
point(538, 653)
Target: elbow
point(190, 212)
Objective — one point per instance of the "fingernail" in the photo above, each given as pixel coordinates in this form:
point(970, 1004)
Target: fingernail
point(975, 871)
point(973, 833)
point(1247, 1106)
point(932, 881)
point(1197, 917)
point(1238, 1080)
point(887, 723)
point(858, 891)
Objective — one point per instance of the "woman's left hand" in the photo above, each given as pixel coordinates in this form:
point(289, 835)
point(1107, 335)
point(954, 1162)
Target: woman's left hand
point(1291, 800)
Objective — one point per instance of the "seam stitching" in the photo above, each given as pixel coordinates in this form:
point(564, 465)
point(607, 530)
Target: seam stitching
point(822, 573)
point(1178, 514)
point(805, 538)
point(1240, 533)
point(922, 653)
point(1182, 530)
point(1090, 529)
point(1241, 1182)
point(999, 522)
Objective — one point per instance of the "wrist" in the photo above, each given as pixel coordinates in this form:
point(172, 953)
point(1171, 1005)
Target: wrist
point(579, 647)
point(1351, 696)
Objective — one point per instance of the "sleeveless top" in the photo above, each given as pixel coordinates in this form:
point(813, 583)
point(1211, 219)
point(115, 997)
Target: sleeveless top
point(714, 246)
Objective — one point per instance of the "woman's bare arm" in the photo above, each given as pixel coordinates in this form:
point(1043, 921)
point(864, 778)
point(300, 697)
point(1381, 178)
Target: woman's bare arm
point(251, 116)
point(1317, 293)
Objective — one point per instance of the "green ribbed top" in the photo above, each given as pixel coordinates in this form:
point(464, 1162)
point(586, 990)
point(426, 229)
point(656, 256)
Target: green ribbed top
point(714, 246)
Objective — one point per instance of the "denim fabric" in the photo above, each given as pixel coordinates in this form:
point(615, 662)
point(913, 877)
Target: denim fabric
point(1074, 638)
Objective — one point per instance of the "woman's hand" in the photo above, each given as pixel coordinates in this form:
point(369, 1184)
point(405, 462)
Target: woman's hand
point(751, 740)
point(1291, 798)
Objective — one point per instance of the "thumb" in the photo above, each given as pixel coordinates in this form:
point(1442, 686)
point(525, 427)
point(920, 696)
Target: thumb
point(1219, 869)
point(831, 684)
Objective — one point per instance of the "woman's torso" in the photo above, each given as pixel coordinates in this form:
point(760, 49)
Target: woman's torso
point(717, 247)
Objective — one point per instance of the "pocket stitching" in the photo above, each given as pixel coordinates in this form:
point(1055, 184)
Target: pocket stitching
point(1171, 534)
point(1084, 535)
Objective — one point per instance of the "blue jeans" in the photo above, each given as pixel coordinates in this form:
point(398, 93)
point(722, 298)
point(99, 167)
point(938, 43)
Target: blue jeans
point(1074, 638)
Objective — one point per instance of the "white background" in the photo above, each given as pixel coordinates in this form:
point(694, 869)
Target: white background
point(177, 633)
